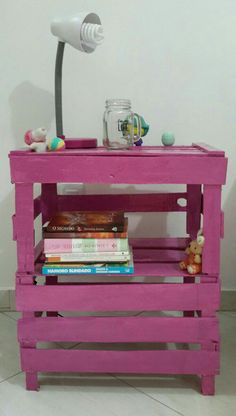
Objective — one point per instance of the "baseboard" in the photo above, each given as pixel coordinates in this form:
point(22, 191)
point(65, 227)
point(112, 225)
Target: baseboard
point(7, 300)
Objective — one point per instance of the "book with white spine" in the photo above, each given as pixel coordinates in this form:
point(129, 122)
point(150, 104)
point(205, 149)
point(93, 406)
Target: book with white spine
point(117, 256)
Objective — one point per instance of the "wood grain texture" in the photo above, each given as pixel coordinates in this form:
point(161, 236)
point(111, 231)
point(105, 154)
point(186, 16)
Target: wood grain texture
point(152, 362)
point(146, 202)
point(211, 229)
point(49, 205)
point(24, 226)
point(117, 170)
point(194, 208)
point(192, 166)
point(118, 297)
point(119, 329)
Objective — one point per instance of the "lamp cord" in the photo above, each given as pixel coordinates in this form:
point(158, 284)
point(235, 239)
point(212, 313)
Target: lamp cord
point(58, 88)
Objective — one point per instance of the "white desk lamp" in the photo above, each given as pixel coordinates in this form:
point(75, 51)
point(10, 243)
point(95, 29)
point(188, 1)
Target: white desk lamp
point(84, 32)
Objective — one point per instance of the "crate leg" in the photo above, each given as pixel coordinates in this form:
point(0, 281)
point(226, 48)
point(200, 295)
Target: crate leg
point(208, 385)
point(31, 381)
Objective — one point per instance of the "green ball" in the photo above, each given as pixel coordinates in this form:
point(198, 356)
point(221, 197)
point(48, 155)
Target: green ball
point(168, 138)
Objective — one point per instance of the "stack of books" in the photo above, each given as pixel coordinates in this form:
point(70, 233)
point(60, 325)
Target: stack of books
point(87, 242)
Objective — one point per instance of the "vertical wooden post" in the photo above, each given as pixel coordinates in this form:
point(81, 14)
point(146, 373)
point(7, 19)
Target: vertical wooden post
point(194, 205)
point(24, 222)
point(31, 377)
point(193, 222)
point(48, 200)
point(211, 260)
point(49, 206)
point(211, 229)
point(208, 385)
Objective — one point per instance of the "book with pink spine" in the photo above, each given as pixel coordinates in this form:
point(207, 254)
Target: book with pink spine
point(85, 245)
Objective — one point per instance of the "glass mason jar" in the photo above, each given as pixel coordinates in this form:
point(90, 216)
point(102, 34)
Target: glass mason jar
point(118, 124)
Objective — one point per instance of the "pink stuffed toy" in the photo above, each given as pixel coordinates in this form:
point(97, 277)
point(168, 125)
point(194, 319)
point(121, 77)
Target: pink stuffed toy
point(36, 139)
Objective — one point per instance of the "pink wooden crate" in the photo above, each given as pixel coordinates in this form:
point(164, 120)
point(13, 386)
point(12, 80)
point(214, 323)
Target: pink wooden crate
point(198, 298)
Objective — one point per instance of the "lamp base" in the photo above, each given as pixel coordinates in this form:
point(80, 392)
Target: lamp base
point(80, 143)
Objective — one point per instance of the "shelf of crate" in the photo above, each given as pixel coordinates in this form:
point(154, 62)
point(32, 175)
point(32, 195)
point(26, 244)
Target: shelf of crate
point(153, 257)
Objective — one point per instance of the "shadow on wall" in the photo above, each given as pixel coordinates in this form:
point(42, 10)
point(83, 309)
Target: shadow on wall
point(7, 246)
point(228, 244)
point(31, 107)
point(148, 224)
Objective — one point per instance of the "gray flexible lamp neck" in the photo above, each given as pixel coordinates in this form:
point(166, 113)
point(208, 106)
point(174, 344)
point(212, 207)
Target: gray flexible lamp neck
point(58, 89)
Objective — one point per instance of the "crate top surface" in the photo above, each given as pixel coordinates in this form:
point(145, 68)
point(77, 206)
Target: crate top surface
point(196, 164)
point(199, 149)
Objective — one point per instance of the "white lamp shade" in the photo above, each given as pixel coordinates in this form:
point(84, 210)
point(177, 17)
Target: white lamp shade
point(68, 30)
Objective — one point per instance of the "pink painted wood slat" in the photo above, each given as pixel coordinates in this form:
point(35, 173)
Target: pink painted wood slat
point(211, 150)
point(153, 362)
point(135, 297)
point(24, 226)
point(160, 243)
point(118, 329)
point(193, 210)
point(211, 229)
point(132, 170)
point(157, 256)
point(37, 206)
point(147, 202)
point(196, 149)
point(48, 201)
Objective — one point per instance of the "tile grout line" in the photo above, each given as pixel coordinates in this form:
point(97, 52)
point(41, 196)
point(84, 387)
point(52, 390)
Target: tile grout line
point(8, 316)
point(148, 395)
point(8, 378)
point(232, 314)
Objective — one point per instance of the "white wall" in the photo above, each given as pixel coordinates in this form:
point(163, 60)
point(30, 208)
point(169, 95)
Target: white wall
point(175, 59)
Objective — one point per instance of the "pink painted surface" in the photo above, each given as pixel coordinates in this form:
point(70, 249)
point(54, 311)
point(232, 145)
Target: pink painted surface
point(195, 149)
point(146, 202)
point(80, 143)
point(118, 297)
point(153, 362)
point(211, 228)
point(194, 207)
point(173, 165)
point(24, 229)
point(153, 257)
point(118, 329)
point(116, 169)
point(37, 206)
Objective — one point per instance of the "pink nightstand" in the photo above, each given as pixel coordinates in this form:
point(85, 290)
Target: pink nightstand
point(203, 170)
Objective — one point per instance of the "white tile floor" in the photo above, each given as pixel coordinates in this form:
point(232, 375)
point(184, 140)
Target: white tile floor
point(70, 395)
